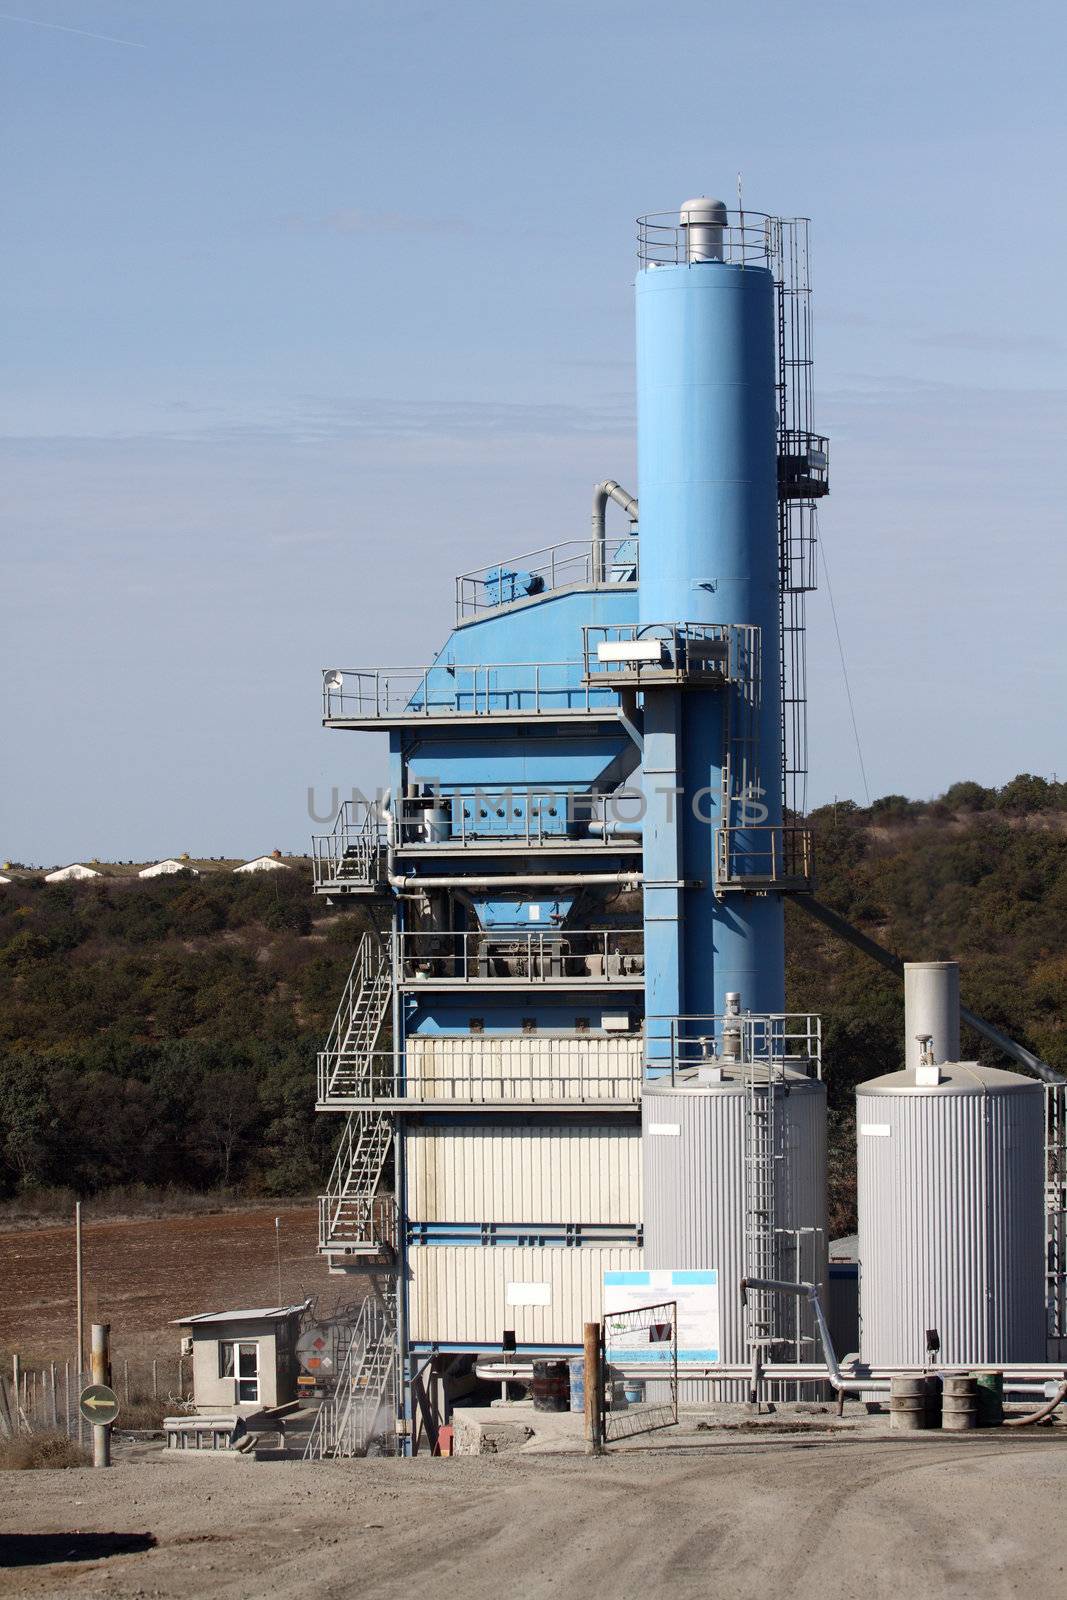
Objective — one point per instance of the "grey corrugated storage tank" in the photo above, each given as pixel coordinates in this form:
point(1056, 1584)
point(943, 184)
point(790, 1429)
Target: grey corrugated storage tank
point(693, 1158)
point(951, 1217)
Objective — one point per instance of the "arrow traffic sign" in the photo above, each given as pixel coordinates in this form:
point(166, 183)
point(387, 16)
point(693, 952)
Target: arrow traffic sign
point(98, 1404)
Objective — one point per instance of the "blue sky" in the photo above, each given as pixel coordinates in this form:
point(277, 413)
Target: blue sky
point(310, 307)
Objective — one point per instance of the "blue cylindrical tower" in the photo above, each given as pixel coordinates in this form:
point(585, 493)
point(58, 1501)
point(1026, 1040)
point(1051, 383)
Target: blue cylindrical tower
point(708, 490)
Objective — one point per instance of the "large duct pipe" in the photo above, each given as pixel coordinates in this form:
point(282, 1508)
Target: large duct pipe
point(886, 958)
point(608, 490)
point(931, 1010)
point(546, 880)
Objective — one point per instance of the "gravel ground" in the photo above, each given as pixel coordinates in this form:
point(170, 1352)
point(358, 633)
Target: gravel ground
point(719, 1518)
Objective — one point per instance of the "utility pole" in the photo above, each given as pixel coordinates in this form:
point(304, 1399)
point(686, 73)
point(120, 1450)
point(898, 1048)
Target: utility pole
point(278, 1253)
point(594, 1378)
point(101, 1359)
point(79, 1338)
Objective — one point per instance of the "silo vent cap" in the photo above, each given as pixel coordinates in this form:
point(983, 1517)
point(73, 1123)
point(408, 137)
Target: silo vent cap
point(701, 209)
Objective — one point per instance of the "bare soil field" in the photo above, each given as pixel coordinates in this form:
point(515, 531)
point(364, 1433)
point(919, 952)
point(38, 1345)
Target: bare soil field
point(896, 1519)
point(141, 1274)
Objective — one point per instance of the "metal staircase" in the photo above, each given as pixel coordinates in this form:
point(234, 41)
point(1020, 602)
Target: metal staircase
point(363, 1401)
point(348, 1053)
point(350, 1220)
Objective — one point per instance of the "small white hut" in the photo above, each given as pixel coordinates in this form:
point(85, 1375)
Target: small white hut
point(75, 871)
point(264, 864)
point(161, 869)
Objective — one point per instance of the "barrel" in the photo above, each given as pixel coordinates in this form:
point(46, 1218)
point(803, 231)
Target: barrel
point(577, 1375)
point(550, 1386)
point(990, 1399)
point(913, 1402)
point(959, 1405)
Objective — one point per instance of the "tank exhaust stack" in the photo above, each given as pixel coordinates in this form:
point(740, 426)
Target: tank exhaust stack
point(931, 1009)
point(704, 222)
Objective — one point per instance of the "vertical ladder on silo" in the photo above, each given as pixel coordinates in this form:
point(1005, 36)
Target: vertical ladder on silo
point(1056, 1209)
point(761, 1079)
point(796, 513)
point(741, 786)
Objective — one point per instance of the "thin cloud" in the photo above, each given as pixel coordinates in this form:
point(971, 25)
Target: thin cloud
point(58, 27)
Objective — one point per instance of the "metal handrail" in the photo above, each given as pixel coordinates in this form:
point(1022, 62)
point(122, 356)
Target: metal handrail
point(460, 689)
point(749, 238)
point(724, 651)
point(770, 853)
point(521, 1078)
point(534, 814)
point(477, 956)
point(683, 1046)
point(570, 562)
point(352, 851)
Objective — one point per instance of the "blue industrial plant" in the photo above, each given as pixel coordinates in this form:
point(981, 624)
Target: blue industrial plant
point(574, 880)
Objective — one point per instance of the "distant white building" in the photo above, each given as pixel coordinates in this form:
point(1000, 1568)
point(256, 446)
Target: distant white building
point(3, 879)
point(162, 868)
point(263, 864)
point(75, 870)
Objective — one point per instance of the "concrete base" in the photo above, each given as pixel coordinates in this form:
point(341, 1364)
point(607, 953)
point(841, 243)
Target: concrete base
point(517, 1427)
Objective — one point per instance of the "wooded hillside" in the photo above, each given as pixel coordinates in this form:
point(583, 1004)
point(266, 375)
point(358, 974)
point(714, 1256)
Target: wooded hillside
point(164, 1031)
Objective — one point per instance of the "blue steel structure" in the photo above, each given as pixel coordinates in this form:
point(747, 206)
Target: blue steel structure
point(582, 852)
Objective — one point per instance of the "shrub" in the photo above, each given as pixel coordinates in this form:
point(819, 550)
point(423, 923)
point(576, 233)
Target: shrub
point(49, 1450)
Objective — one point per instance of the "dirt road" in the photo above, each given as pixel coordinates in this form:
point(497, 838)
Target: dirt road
point(814, 1520)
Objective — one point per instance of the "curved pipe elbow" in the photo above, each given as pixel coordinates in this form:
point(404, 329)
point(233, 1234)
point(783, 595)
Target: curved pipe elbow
point(608, 490)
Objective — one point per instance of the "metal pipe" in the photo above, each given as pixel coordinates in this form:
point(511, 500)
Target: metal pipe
point(835, 1377)
point(1041, 1413)
point(885, 958)
point(629, 880)
point(608, 490)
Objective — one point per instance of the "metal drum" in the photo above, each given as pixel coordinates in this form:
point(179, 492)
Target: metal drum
point(990, 1399)
point(551, 1386)
point(913, 1403)
point(959, 1402)
point(577, 1383)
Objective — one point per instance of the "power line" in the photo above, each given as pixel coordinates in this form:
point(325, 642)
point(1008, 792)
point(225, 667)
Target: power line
point(844, 671)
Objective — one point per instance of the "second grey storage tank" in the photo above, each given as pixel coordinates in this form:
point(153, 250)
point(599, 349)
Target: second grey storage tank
point(950, 1194)
point(693, 1142)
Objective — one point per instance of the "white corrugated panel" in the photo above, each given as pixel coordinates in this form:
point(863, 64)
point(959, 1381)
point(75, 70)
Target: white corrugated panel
point(461, 1293)
point(951, 1217)
point(565, 1067)
point(503, 1173)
